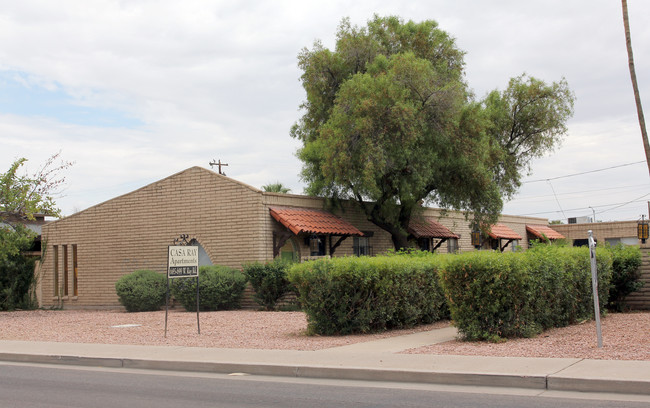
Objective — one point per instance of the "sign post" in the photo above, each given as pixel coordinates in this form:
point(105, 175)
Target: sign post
point(183, 262)
point(594, 285)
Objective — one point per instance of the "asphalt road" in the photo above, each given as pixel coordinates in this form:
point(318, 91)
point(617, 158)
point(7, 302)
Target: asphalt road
point(26, 385)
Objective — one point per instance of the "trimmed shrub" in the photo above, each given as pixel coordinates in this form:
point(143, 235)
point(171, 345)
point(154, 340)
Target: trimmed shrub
point(220, 288)
point(626, 275)
point(499, 295)
point(363, 294)
point(487, 294)
point(142, 291)
point(269, 281)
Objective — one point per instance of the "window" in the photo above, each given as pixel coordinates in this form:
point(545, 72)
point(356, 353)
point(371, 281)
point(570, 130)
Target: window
point(317, 245)
point(75, 281)
point(424, 244)
point(65, 270)
point(580, 242)
point(56, 270)
point(515, 245)
point(361, 246)
point(452, 245)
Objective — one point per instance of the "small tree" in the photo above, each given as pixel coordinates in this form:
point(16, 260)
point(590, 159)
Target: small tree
point(276, 187)
point(21, 197)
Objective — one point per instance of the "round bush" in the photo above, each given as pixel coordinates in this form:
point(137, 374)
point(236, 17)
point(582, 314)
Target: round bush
point(142, 291)
point(220, 288)
point(269, 281)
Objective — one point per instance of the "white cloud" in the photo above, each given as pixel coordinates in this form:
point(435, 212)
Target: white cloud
point(203, 80)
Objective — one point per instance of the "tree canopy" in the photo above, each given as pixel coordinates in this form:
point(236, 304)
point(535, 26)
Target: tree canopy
point(390, 123)
point(276, 187)
point(23, 196)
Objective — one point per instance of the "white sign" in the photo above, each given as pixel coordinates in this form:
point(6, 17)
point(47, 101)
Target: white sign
point(183, 261)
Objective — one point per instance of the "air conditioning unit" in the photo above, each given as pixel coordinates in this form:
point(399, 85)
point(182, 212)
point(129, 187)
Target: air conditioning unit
point(580, 220)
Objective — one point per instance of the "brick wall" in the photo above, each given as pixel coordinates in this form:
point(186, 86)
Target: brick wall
point(601, 230)
point(133, 231)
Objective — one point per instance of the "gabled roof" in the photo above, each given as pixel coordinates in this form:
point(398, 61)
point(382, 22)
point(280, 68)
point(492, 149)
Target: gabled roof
point(543, 232)
point(428, 228)
point(500, 231)
point(312, 221)
point(192, 172)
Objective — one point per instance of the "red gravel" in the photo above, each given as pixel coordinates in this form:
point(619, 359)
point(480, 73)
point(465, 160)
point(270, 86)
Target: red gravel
point(226, 329)
point(625, 336)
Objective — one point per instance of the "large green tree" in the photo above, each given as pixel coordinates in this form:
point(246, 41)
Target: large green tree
point(390, 123)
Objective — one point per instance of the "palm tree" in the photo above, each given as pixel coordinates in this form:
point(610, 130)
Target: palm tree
point(276, 187)
point(637, 97)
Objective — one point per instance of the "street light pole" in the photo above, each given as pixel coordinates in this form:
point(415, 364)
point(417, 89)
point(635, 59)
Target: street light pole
point(594, 212)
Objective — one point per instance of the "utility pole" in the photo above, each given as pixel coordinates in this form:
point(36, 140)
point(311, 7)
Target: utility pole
point(635, 86)
point(218, 163)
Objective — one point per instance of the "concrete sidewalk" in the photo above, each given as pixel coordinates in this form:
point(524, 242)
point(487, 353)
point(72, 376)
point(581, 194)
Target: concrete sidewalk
point(373, 361)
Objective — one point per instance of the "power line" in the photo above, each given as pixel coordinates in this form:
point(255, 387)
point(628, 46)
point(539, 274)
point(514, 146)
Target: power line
point(636, 200)
point(584, 172)
point(558, 201)
point(613, 208)
point(531, 197)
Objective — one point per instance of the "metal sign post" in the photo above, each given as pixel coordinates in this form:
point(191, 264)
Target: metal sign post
point(594, 285)
point(183, 262)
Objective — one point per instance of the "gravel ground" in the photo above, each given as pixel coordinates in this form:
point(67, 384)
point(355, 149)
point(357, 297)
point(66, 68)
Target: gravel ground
point(226, 329)
point(625, 336)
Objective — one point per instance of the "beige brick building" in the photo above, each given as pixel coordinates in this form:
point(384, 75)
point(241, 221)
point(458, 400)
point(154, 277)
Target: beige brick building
point(86, 253)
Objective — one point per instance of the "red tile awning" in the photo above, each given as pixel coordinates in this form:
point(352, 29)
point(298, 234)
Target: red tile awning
point(313, 221)
point(500, 231)
point(543, 232)
point(428, 228)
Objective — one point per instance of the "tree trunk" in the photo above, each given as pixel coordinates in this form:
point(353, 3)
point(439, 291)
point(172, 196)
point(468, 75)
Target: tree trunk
point(637, 97)
point(400, 241)
point(397, 234)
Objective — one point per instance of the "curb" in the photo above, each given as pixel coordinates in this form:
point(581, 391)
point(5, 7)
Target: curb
point(555, 382)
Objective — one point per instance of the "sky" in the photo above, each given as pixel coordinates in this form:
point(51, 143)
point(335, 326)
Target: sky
point(135, 91)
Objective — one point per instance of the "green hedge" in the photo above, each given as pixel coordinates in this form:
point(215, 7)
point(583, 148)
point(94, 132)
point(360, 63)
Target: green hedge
point(626, 275)
point(362, 294)
point(499, 295)
point(220, 288)
point(142, 291)
point(269, 281)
